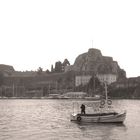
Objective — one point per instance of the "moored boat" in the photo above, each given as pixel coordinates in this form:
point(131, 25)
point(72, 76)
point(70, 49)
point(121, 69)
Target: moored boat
point(103, 114)
point(104, 117)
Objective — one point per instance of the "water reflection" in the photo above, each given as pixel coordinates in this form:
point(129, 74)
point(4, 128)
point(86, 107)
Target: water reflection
point(100, 130)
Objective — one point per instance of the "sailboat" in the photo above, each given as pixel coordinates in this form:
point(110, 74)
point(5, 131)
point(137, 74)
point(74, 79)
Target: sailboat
point(104, 115)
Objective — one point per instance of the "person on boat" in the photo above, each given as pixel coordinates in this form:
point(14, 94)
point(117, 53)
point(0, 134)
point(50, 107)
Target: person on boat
point(83, 109)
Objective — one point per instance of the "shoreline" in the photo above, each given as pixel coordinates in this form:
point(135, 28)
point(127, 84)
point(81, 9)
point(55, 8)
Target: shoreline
point(43, 98)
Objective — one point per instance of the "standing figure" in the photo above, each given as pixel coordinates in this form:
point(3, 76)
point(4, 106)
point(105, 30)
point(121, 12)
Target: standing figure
point(83, 109)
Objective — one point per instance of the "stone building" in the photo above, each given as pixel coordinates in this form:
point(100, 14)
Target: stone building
point(84, 79)
point(108, 78)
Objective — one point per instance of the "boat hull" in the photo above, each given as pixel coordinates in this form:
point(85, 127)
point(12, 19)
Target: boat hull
point(99, 117)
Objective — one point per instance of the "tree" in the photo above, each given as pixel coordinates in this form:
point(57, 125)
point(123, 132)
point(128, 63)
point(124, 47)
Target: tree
point(94, 85)
point(58, 66)
point(40, 70)
point(47, 71)
point(1, 78)
point(52, 70)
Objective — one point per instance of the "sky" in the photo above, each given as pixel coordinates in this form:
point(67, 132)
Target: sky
point(38, 33)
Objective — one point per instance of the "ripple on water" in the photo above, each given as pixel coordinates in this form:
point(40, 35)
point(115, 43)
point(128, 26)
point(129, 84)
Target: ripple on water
point(49, 119)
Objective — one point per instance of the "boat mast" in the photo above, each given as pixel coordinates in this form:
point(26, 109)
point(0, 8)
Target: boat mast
point(106, 97)
point(93, 79)
point(13, 90)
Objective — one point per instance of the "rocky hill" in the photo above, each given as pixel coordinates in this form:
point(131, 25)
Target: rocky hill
point(6, 69)
point(94, 61)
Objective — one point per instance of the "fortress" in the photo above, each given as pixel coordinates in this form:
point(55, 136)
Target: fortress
point(93, 62)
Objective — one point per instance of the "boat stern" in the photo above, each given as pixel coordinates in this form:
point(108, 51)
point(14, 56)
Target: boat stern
point(73, 117)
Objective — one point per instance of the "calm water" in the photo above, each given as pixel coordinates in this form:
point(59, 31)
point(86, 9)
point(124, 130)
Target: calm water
point(50, 120)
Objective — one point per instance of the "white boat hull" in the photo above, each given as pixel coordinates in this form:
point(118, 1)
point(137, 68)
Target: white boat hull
point(100, 117)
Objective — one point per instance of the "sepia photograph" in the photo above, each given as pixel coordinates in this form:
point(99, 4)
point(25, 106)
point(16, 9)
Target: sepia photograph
point(69, 69)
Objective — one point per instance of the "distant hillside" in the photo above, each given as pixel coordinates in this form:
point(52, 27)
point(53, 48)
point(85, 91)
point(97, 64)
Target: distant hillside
point(6, 69)
point(127, 88)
